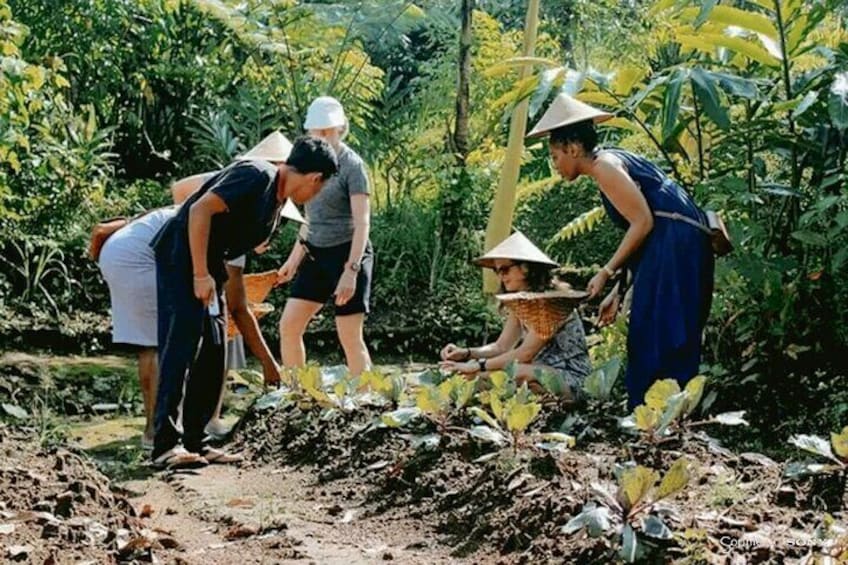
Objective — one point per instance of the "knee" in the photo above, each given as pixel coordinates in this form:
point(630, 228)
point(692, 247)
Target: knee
point(290, 329)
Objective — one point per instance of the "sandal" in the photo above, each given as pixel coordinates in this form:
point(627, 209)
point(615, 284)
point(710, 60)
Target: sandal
point(178, 458)
point(219, 456)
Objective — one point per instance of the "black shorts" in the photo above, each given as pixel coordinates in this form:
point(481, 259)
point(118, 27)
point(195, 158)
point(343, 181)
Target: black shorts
point(319, 274)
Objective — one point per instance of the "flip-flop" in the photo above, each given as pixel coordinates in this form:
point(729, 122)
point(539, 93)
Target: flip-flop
point(178, 458)
point(220, 457)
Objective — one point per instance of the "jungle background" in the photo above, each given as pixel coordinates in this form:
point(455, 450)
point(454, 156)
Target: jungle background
point(104, 103)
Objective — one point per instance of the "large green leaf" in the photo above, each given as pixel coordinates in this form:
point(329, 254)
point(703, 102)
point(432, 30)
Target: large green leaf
point(671, 102)
point(629, 545)
point(704, 87)
point(736, 85)
point(837, 102)
point(706, 9)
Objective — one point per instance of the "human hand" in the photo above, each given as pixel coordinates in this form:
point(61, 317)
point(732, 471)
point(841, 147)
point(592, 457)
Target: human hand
point(597, 284)
point(286, 272)
point(346, 287)
point(464, 367)
point(204, 289)
point(452, 352)
point(608, 309)
point(271, 374)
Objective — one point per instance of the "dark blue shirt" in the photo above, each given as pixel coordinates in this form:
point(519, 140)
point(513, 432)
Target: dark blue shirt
point(249, 189)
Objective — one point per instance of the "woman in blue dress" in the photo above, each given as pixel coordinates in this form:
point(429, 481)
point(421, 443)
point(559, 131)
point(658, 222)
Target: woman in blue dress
point(664, 247)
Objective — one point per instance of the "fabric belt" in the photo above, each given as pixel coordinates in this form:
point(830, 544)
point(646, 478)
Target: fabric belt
point(681, 218)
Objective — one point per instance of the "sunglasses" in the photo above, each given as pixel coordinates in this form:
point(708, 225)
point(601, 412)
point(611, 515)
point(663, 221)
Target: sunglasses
point(503, 269)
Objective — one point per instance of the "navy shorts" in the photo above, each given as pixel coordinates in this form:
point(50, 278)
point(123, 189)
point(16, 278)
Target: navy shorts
point(319, 274)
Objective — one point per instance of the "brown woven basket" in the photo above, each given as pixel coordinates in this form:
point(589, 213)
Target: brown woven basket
point(543, 312)
point(259, 310)
point(257, 286)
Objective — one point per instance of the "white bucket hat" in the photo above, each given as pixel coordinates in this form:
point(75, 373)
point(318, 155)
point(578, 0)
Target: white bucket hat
point(517, 248)
point(325, 112)
point(564, 111)
point(275, 147)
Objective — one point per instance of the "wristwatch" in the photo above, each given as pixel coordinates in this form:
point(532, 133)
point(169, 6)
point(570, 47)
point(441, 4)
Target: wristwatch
point(482, 363)
point(354, 266)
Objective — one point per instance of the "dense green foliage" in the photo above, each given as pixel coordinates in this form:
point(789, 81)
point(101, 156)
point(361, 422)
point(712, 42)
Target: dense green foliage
point(103, 103)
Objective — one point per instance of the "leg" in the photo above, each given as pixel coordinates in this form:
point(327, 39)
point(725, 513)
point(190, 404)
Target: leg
point(349, 329)
point(526, 373)
point(148, 375)
point(180, 323)
point(296, 316)
point(203, 390)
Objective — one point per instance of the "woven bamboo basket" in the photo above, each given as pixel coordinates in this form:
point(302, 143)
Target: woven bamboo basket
point(259, 311)
point(257, 286)
point(543, 312)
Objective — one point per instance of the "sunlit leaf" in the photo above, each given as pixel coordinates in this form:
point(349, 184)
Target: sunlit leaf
point(636, 483)
point(731, 418)
point(675, 479)
point(813, 444)
point(521, 415)
point(483, 415)
point(488, 434)
point(840, 443)
point(646, 418)
point(694, 391)
point(400, 417)
point(596, 520)
point(660, 392)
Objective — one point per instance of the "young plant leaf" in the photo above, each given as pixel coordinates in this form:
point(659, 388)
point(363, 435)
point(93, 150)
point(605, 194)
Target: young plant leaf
point(813, 444)
point(731, 418)
point(645, 418)
point(491, 435)
point(596, 520)
point(654, 527)
point(840, 443)
point(694, 391)
point(520, 415)
point(400, 417)
point(636, 482)
point(15, 411)
point(660, 392)
point(629, 545)
point(483, 415)
point(673, 409)
point(675, 479)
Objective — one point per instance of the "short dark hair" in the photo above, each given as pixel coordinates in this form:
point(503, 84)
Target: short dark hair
point(313, 155)
point(539, 277)
point(580, 132)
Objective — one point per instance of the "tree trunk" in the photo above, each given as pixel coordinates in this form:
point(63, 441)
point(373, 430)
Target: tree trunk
point(500, 220)
point(460, 132)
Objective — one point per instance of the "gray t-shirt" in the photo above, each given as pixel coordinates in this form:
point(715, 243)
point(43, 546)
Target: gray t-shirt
point(329, 214)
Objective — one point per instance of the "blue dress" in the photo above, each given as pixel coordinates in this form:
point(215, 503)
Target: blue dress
point(672, 283)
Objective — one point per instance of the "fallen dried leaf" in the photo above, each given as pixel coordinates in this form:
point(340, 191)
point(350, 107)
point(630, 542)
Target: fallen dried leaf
point(146, 511)
point(240, 531)
point(241, 503)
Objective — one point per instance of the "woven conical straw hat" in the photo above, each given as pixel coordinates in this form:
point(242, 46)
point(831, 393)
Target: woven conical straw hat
point(517, 248)
point(566, 110)
point(275, 147)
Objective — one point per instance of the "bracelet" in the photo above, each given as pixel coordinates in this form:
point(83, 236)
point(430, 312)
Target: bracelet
point(608, 270)
point(203, 278)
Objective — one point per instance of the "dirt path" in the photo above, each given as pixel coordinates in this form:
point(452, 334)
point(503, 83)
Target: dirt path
point(287, 518)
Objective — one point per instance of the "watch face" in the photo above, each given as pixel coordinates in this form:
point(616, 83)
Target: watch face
point(354, 267)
